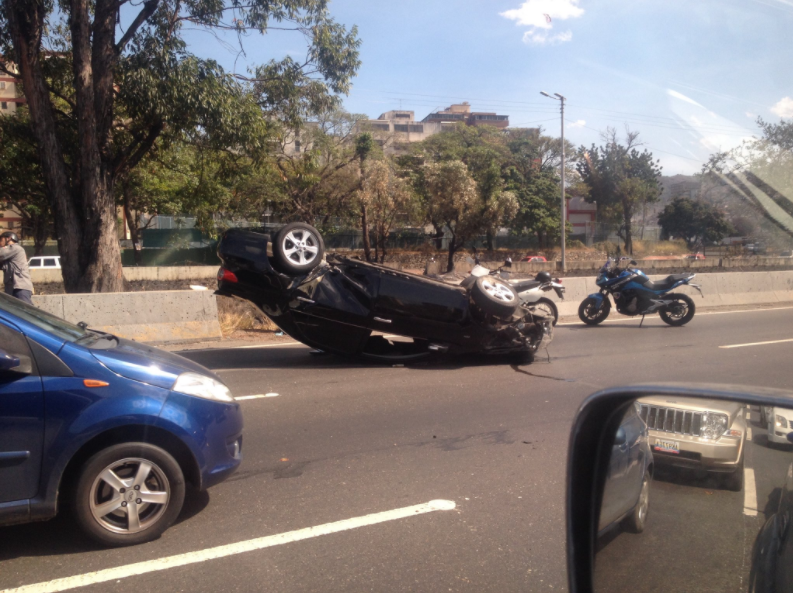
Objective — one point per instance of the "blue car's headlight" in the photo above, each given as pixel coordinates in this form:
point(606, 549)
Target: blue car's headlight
point(202, 386)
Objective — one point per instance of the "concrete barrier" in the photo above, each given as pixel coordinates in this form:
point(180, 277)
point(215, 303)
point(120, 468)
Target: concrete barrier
point(137, 274)
point(157, 317)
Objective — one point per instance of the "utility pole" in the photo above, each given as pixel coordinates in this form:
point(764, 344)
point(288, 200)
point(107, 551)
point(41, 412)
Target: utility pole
point(561, 99)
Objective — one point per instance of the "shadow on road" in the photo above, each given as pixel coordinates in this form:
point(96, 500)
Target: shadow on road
point(297, 359)
point(61, 536)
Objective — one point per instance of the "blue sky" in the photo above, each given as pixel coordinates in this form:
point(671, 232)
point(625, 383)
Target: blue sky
point(690, 76)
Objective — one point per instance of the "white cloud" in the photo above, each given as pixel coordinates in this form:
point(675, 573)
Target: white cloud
point(580, 123)
point(751, 115)
point(783, 108)
point(539, 16)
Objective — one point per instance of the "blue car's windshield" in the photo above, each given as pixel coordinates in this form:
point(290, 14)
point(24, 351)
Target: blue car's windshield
point(41, 319)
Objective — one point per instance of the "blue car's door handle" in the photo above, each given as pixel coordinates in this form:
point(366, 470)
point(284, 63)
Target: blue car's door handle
point(13, 457)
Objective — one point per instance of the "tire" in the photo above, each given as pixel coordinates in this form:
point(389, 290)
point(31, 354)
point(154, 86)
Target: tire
point(734, 480)
point(298, 248)
point(494, 296)
point(588, 312)
point(682, 316)
point(636, 520)
point(102, 505)
point(547, 306)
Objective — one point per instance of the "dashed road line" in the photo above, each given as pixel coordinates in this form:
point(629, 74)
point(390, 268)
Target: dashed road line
point(749, 493)
point(139, 568)
point(258, 396)
point(757, 343)
point(638, 318)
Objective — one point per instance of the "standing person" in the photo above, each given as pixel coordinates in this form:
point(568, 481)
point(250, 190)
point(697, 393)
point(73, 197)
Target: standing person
point(14, 262)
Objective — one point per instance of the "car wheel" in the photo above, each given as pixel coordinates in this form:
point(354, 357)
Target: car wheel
point(734, 481)
point(128, 494)
point(636, 520)
point(680, 312)
point(494, 296)
point(298, 248)
point(589, 313)
point(548, 307)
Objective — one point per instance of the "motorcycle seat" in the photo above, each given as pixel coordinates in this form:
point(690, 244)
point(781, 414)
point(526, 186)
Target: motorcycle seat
point(667, 282)
point(524, 285)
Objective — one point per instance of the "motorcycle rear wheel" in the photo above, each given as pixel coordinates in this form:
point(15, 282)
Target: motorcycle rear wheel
point(681, 312)
point(589, 313)
point(548, 307)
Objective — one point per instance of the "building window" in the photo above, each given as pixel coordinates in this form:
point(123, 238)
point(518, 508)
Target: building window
point(403, 116)
point(297, 149)
point(380, 127)
point(2, 86)
point(400, 127)
point(3, 105)
point(416, 128)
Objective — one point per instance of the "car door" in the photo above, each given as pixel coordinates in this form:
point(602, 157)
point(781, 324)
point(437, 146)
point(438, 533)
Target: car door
point(21, 422)
point(419, 308)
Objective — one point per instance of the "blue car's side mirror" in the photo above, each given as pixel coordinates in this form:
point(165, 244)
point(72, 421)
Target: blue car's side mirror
point(15, 363)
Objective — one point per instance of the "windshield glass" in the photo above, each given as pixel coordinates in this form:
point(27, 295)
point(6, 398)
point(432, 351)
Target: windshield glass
point(41, 319)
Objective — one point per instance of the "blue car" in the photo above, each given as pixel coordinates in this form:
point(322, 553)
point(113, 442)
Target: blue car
point(105, 429)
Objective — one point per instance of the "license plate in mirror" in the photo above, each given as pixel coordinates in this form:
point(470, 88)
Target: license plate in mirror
point(667, 446)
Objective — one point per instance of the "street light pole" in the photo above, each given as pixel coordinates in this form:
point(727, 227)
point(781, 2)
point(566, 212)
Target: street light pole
point(561, 100)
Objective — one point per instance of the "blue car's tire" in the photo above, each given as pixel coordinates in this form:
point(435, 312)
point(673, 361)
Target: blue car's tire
point(680, 312)
point(128, 494)
point(589, 313)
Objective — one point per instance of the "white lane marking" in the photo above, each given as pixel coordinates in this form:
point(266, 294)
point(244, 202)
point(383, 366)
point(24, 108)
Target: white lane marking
point(274, 345)
point(749, 493)
point(749, 433)
point(139, 568)
point(757, 343)
point(698, 314)
point(258, 396)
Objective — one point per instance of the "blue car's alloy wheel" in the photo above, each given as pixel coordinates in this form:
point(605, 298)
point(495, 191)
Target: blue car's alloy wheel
point(129, 494)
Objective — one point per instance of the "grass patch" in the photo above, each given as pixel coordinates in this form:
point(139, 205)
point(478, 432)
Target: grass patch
point(241, 315)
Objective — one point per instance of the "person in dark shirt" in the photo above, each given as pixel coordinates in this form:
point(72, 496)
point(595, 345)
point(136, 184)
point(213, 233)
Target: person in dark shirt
point(14, 261)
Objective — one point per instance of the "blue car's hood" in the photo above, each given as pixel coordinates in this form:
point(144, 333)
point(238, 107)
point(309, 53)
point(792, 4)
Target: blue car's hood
point(148, 364)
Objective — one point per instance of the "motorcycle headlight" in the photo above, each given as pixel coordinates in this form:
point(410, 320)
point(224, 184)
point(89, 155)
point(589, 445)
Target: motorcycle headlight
point(713, 425)
point(781, 422)
point(202, 386)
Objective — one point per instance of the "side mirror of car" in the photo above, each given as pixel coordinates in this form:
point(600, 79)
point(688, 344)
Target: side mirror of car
point(698, 478)
point(15, 363)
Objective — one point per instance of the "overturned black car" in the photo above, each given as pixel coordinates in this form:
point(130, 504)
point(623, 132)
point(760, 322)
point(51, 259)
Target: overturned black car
point(350, 307)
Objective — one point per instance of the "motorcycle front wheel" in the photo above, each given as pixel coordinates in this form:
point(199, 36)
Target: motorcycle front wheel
point(680, 312)
point(589, 313)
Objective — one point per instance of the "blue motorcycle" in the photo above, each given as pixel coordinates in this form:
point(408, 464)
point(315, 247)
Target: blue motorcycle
point(635, 294)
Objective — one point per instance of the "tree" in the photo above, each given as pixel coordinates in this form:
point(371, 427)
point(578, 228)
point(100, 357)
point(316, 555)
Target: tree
point(532, 174)
point(21, 183)
point(101, 100)
point(619, 178)
point(759, 173)
point(387, 199)
point(454, 203)
point(695, 222)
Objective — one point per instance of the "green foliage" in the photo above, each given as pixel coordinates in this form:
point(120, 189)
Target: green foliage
point(21, 185)
point(619, 179)
point(695, 222)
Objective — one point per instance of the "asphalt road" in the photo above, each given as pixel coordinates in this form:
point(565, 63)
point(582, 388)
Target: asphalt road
point(344, 441)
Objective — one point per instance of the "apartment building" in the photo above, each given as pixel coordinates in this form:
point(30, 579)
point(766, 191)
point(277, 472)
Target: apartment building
point(10, 97)
point(461, 112)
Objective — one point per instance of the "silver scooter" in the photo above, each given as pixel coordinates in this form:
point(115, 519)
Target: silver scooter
point(530, 292)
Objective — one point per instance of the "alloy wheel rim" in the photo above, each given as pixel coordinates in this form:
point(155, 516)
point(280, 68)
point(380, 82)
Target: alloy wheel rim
point(644, 502)
point(129, 495)
point(300, 246)
point(498, 291)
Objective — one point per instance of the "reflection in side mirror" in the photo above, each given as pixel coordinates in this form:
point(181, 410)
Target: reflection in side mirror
point(682, 490)
point(15, 363)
